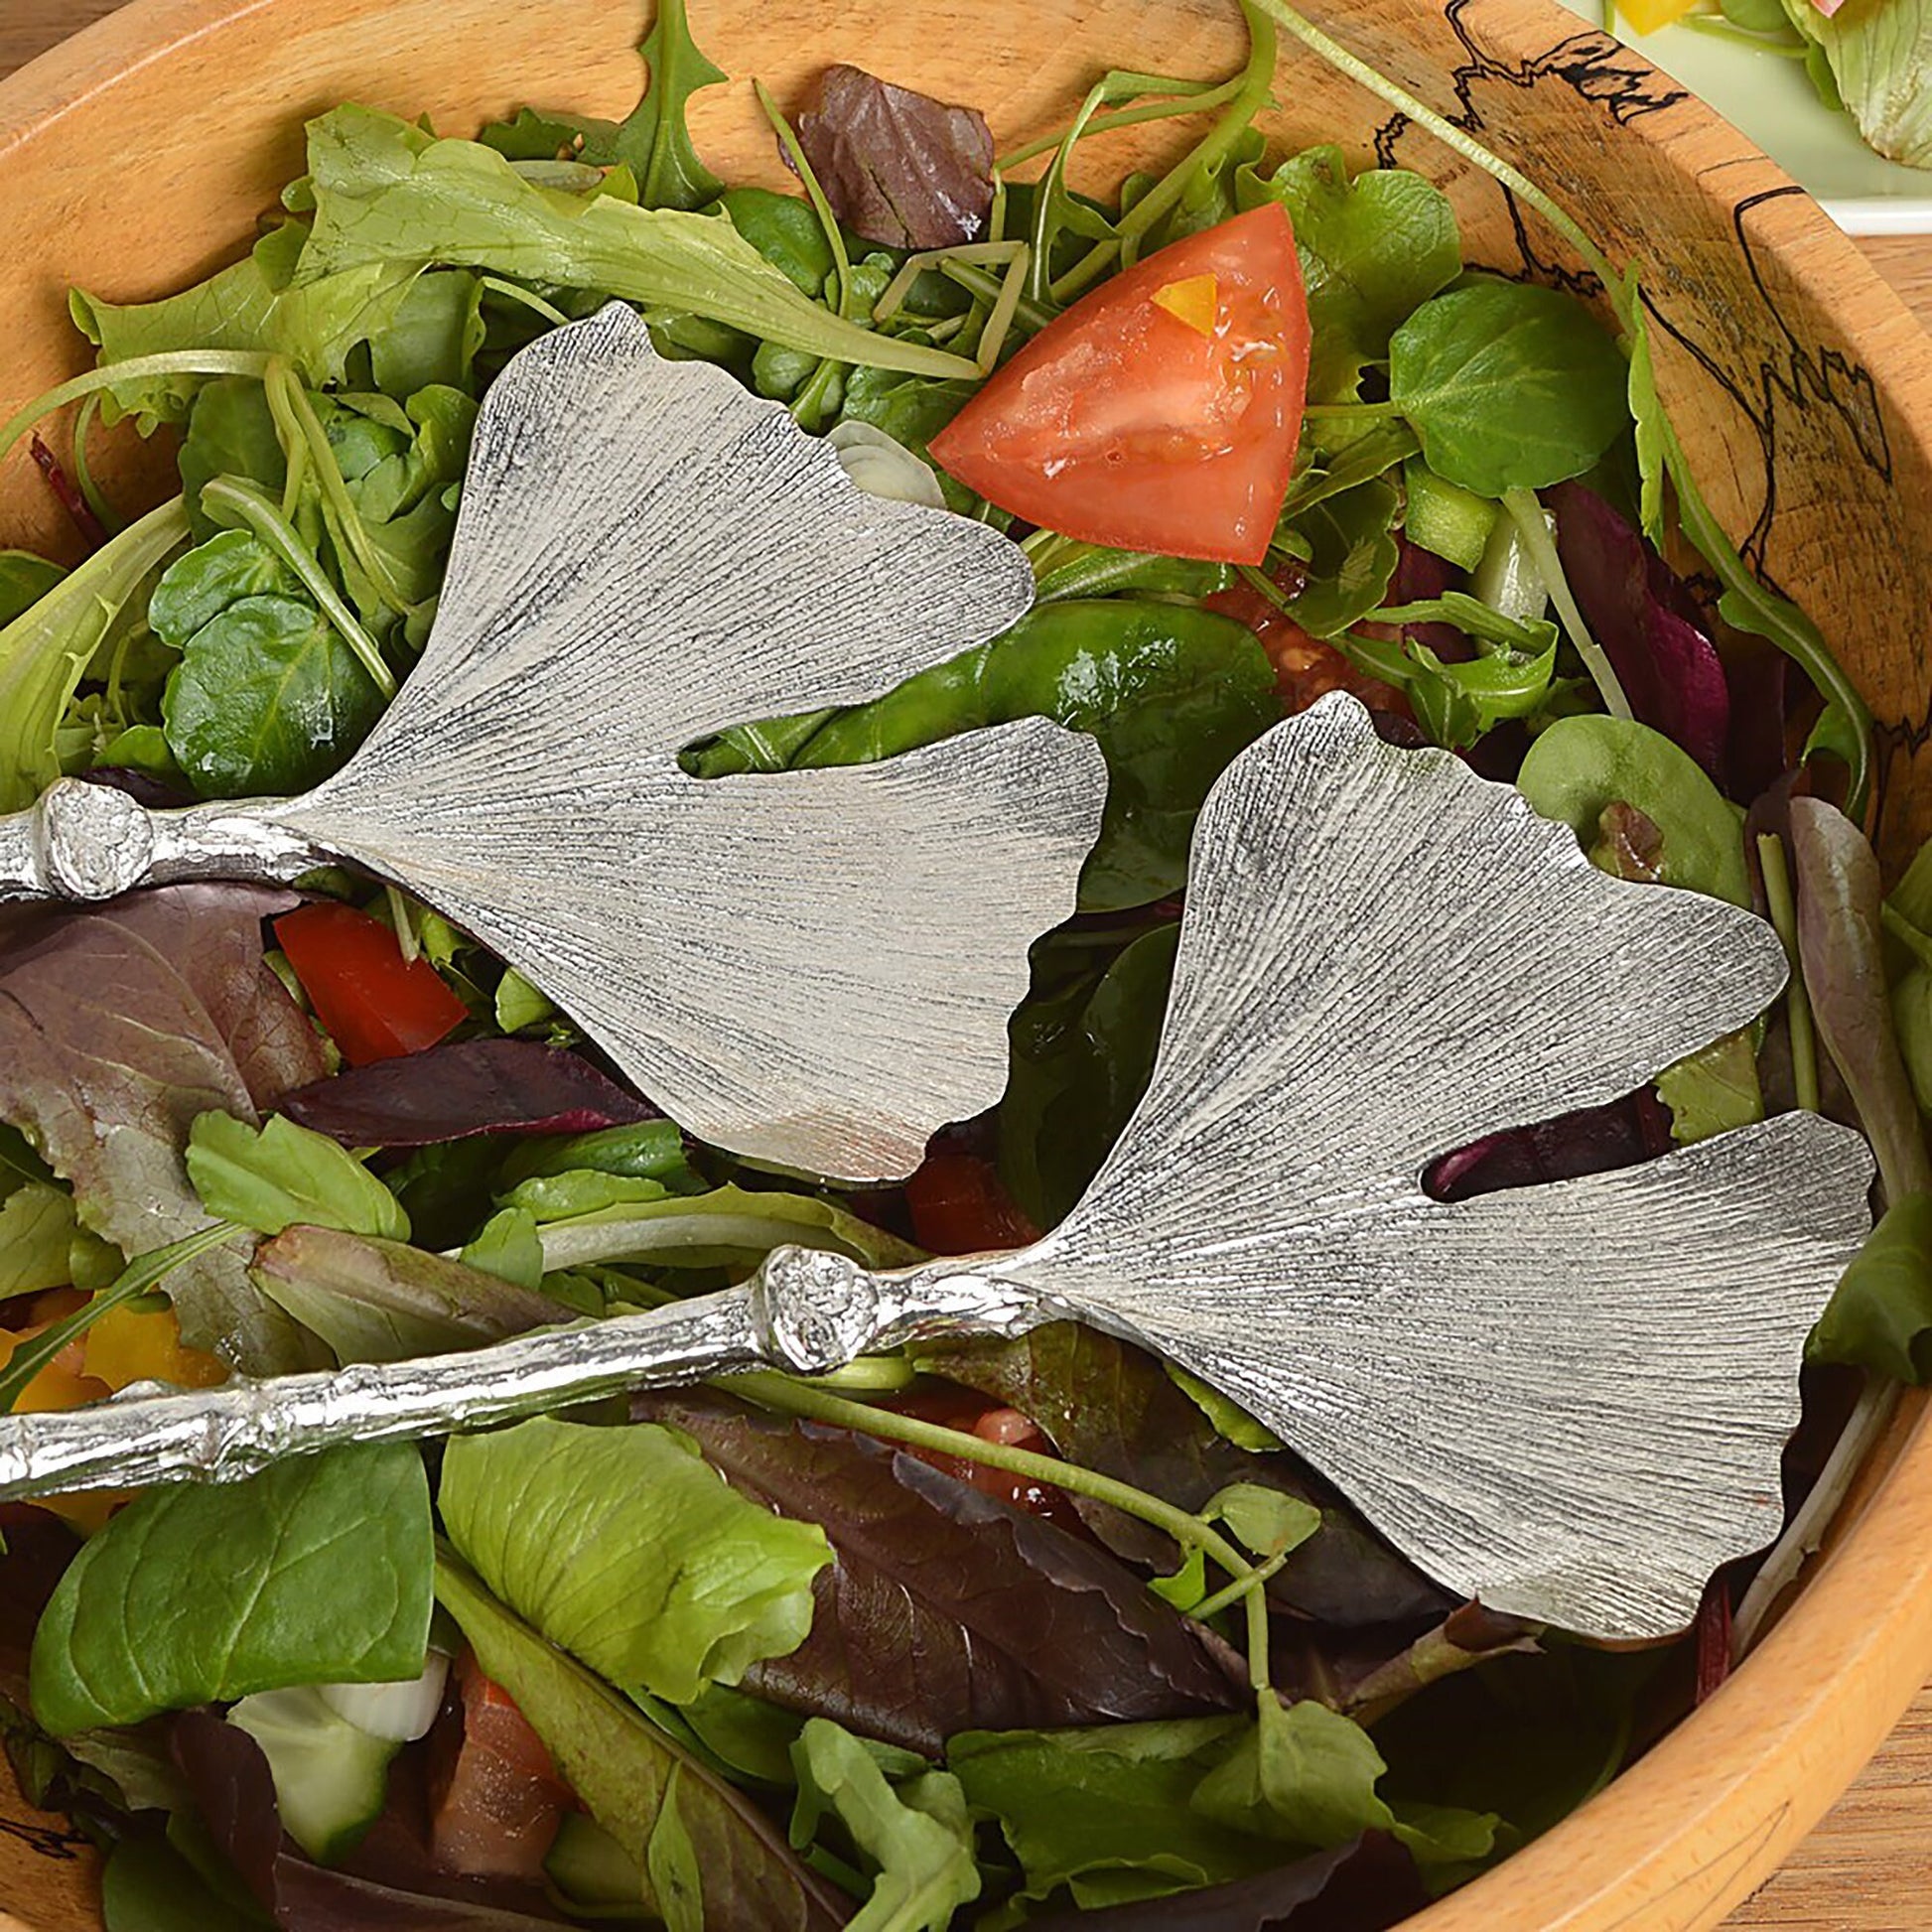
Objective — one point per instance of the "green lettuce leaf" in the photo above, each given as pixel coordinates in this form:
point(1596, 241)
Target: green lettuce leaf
point(1880, 1316)
point(1879, 53)
point(324, 1578)
point(624, 1547)
point(24, 580)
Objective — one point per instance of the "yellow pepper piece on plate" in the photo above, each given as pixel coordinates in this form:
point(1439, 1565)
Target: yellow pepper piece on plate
point(1649, 16)
point(126, 1346)
point(1197, 301)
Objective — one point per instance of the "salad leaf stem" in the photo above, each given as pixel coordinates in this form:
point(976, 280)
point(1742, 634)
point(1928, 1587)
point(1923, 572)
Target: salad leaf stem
point(83, 474)
point(1190, 98)
point(528, 298)
point(998, 255)
point(137, 368)
point(249, 504)
point(1350, 412)
point(1526, 512)
point(976, 281)
point(142, 1274)
point(802, 167)
point(808, 1402)
point(1248, 100)
point(1783, 908)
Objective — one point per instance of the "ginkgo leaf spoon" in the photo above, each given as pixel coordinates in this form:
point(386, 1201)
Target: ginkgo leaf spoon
point(1568, 1401)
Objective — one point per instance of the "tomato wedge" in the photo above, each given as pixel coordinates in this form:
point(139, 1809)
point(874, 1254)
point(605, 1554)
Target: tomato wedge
point(960, 1206)
point(496, 1801)
point(376, 1004)
point(1161, 412)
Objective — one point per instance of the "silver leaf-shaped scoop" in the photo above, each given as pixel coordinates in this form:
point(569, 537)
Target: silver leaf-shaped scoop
point(1568, 1401)
point(811, 969)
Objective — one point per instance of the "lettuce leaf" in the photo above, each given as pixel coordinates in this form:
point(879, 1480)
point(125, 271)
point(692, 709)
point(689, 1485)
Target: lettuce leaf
point(1881, 56)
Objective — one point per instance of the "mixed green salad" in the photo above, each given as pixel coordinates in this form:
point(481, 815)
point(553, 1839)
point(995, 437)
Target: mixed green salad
point(1022, 1633)
point(1868, 59)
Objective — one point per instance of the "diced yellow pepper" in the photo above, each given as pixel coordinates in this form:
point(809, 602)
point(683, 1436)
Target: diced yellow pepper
point(58, 1386)
point(1197, 301)
point(126, 1346)
point(1649, 16)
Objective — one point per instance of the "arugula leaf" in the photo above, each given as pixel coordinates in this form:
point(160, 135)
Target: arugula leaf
point(917, 1836)
point(1581, 766)
point(1082, 1054)
point(388, 194)
point(1714, 1091)
point(267, 699)
point(24, 580)
point(45, 650)
point(624, 1547)
point(324, 1579)
point(272, 1177)
point(1351, 555)
point(1509, 386)
point(654, 141)
point(121, 1025)
point(375, 1300)
point(944, 1609)
point(1373, 250)
point(1171, 695)
point(629, 1774)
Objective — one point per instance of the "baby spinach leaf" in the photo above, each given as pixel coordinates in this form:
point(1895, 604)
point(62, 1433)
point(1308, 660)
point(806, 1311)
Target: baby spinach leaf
point(786, 232)
point(1510, 386)
point(324, 1579)
point(390, 197)
point(375, 1300)
point(1172, 694)
point(270, 1178)
point(917, 1837)
point(944, 1609)
point(1581, 766)
point(267, 699)
point(230, 432)
point(453, 1092)
point(197, 588)
point(1351, 555)
point(1373, 250)
point(119, 1025)
point(1082, 1053)
point(626, 1548)
point(653, 1150)
point(654, 140)
point(24, 580)
point(628, 1775)
point(45, 650)
point(1880, 1318)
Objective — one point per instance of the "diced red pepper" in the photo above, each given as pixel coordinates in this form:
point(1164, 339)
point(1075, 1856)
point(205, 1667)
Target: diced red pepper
point(375, 1004)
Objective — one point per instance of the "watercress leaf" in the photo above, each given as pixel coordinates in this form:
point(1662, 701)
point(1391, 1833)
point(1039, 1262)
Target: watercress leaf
point(1510, 386)
point(1268, 1521)
point(324, 1579)
point(272, 1177)
point(1228, 1418)
point(1110, 1406)
point(1880, 1318)
point(1842, 945)
point(267, 699)
point(1106, 1811)
point(898, 166)
point(1352, 554)
point(1643, 616)
point(918, 1839)
point(374, 1300)
point(623, 1769)
point(1305, 1774)
point(453, 1092)
point(626, 1548)
point(653, 1150)
point(197, 587)
point(654, 141)
point(24, 580)
point(1371, 1884)
point(1714, 1091)
point(45, 650)
point(1373, 250)
point(388, 195)
point(36, 1230)
point(119, 1025)
point(1582, 767)
point(944, 1609)
point(1082, 1054)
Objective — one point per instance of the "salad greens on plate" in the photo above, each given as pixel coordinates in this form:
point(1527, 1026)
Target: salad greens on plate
point(1029, 1633)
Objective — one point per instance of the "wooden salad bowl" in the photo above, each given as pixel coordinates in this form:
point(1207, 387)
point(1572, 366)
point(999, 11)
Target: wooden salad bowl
point(138, 157)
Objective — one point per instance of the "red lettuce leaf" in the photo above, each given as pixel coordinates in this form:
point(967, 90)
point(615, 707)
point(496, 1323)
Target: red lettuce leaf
point(898, 167)
point(1644, 615)
point(453, 1093)
point(1364, 1886)
point(946, 1610)
point(1595, 1141)
point(119, 1023)
point(1111, 1407)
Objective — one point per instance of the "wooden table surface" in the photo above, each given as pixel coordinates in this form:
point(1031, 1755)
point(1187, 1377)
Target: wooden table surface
point(1868, 1867)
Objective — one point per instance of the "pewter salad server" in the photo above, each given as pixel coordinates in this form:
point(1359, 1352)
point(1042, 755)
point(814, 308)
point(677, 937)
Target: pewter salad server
point(812, 969)
point(1568, 1401)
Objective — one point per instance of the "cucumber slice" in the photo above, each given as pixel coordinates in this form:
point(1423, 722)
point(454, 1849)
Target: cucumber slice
point(592, 1874)
point(1444, 517)
point(330, 1778)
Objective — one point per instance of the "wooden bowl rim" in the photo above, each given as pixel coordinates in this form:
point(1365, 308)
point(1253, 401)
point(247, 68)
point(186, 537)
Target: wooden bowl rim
point(1707, 1815)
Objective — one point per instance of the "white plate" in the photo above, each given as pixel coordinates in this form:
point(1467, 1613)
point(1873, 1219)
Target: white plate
point(1771, 103)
